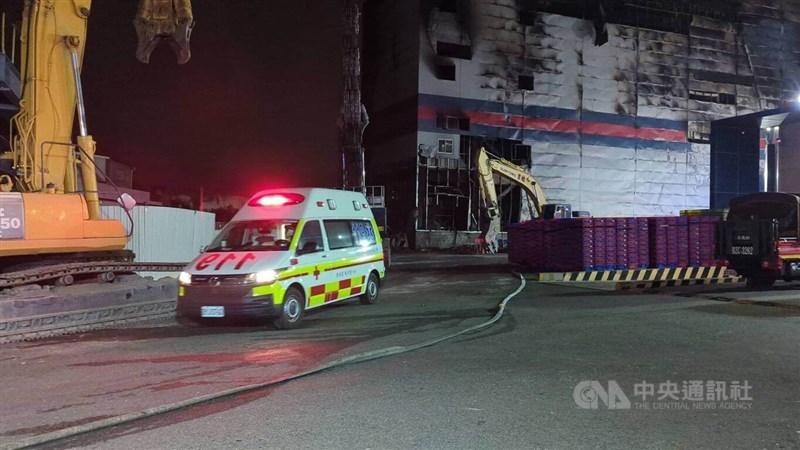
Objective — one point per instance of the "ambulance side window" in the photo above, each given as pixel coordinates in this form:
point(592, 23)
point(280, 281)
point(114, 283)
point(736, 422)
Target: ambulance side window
point(363, 232)
point(311, 235)
point(339, 234)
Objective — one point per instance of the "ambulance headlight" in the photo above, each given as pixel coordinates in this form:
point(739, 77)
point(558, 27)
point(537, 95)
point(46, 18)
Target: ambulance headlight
point(185, 278)
point(264, 276)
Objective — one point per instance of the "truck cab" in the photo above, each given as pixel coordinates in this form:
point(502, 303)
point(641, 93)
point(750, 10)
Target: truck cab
point(759, 238)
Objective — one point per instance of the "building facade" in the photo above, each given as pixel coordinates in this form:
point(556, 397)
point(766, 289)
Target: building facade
point(608, 102)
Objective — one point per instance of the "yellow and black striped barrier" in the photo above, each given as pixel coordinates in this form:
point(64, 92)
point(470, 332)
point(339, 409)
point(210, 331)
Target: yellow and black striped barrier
point(639, 285)
point(665, 274)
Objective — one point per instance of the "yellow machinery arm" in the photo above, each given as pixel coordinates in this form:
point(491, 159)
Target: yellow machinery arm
point(52, 40)
point(44, 159)
point(487, 168)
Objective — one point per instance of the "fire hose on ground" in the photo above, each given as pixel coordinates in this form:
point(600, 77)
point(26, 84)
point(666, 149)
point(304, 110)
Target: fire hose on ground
point(354, 359)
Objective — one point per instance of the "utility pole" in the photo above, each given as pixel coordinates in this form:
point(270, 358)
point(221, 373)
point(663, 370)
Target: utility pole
point(353, 116)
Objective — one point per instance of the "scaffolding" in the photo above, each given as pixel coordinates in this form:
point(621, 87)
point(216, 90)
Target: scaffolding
point(353, 116)
point(449, 197)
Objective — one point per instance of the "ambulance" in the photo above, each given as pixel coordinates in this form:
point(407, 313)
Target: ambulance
point(285, 252)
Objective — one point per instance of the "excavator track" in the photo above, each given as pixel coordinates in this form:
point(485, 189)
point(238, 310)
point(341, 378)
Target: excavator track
point(43, 327)
point(30, 309)
point(64, 273)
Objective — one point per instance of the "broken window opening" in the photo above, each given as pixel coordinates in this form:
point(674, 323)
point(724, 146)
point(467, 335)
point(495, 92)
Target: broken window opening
point(450, 50)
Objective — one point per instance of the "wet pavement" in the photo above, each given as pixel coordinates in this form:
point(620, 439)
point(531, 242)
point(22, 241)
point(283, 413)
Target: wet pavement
point(519, 384)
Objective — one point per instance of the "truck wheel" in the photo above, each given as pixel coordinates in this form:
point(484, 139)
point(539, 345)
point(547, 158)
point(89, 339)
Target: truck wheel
point(371, 289)
point(291, 311)
point(760, 281)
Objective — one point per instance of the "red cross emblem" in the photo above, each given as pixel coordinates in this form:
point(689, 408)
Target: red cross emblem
point(316, 273)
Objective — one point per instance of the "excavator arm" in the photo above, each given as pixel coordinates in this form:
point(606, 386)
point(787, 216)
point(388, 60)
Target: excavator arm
point(53, 40)
point(45, 165)
point(488, 167)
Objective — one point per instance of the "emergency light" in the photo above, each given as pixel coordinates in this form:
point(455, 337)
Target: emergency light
point(277, 200)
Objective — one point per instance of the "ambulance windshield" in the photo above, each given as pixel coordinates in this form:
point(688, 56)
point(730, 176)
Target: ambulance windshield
point(254, 235)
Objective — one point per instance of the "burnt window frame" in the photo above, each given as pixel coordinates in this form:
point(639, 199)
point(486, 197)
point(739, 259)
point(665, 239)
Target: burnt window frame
point(527, 80)
point(452, 50)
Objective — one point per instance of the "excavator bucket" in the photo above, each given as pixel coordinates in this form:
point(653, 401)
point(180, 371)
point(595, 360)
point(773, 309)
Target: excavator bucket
point(169, 20)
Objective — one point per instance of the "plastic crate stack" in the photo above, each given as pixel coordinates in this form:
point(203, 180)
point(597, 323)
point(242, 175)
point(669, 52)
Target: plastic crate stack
point(599, 241)
point(702, 238)
point(658, 241)
point(605, 243)
point(587, 235)
point(613, 243)
point(569, 244)
point(622, 243)
point(638, 246)
point(679, 251)
point(526, 244)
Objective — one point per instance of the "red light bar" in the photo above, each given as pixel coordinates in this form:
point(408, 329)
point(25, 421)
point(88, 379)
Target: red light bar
point(276, 200)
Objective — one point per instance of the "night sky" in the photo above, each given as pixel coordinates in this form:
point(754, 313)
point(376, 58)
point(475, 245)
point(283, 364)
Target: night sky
point(255, 107)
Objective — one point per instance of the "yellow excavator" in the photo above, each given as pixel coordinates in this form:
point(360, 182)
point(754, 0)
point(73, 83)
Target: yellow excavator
point(49, 206)
point(488, 165)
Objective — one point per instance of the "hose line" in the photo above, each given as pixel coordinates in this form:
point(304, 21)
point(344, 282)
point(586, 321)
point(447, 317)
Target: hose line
point(354, 359)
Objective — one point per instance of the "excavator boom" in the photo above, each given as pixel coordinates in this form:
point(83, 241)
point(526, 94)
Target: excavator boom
point(487, 168)
point(43, 173)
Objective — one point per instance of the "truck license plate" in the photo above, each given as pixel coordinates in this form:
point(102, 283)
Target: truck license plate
point(742, 250)
point(212, 311)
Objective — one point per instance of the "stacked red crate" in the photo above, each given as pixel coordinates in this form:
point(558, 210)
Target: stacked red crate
point(569, 244)
point(612, 243)
point(702, 238)
point(681, 242)
point(658, 241)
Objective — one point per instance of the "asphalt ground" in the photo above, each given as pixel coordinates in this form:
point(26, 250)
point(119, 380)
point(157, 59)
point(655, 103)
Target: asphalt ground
point(524, 383)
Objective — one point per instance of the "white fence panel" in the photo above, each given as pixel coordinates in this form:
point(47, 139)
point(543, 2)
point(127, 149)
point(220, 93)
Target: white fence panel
point(162, 234)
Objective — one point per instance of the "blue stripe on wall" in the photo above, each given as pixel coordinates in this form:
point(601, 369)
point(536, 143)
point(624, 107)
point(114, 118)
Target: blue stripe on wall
point(446, 103)
point(558, 137)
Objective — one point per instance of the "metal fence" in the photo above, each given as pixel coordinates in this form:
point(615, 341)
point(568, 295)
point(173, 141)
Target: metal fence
point(162, 234)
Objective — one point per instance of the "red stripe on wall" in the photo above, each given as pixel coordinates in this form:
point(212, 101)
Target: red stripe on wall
point(659, 134)
point(564, 125)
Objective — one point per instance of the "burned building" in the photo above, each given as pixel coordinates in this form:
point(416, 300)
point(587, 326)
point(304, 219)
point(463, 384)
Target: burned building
point(609, 102)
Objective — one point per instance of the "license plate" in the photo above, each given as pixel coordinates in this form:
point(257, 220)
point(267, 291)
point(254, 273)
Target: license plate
point(742, 250)
point(212, 311)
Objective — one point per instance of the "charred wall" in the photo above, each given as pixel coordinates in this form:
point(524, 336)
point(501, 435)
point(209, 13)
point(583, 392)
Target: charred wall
point(620, 127)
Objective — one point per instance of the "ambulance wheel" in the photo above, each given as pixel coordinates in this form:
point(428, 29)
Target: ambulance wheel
point(187, 322)
point(291, 311)
point(370, 295)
